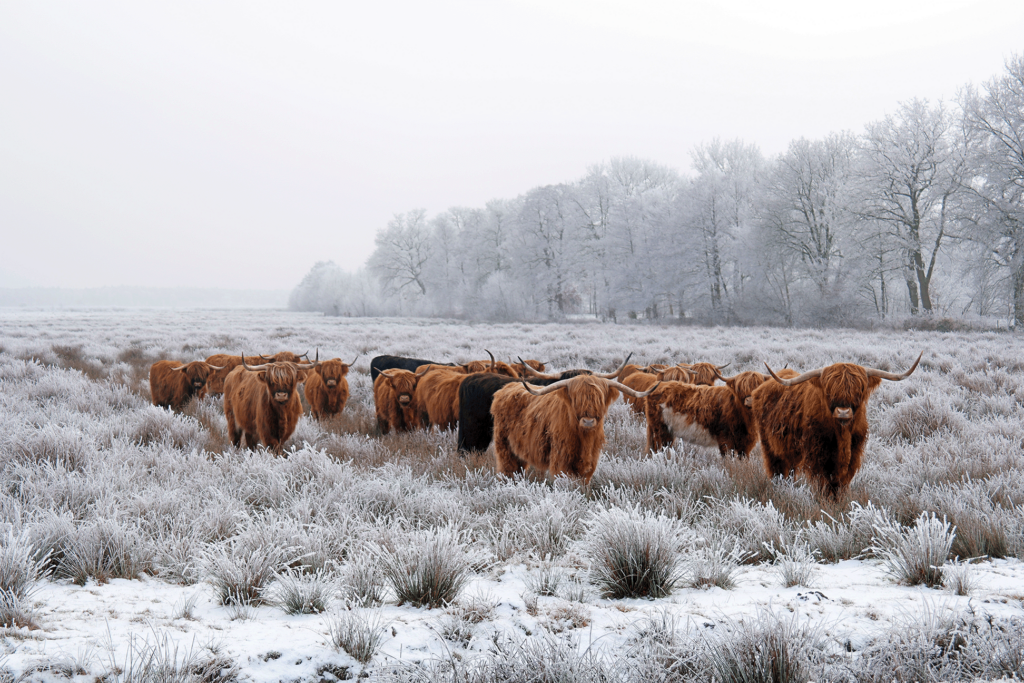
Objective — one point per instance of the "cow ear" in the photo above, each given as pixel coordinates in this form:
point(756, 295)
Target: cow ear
point(344, 368)
point(610, 397)
point(262, 376)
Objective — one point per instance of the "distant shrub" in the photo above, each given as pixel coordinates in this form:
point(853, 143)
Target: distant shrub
point(765, 649)
point(240, 573)
point(915, 556)
point(362, 584)
point(795, 564)
point(298, 593)
point(715, 564)
point(103, 550)
point(634, 553)
point(545, 580)
point(20, 569)
point(425, 569)
point(358, 633)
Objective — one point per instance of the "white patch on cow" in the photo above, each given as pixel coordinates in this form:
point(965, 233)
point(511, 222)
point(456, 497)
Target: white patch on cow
point(682, 427)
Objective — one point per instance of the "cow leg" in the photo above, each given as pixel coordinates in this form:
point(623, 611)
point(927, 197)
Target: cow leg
point(658, 434)
point(505, 460)
point(773, 464)
point(250, 441)
point(234, 434)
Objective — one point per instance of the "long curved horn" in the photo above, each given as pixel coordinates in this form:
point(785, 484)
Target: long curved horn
point(874, 372)
point(216, 367)
point(308, 366)
point(540, 391)
point(306, 354)
point(534, 373)
point(492, 361)
point(254, 368)
point(722, 367)
point(354, 360)
point(609, 375)
point(424, 371)
point(632, 392)
point(179, 368)
point(810, 374)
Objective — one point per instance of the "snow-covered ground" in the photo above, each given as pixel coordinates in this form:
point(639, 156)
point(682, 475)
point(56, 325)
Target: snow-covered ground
point(111, 486)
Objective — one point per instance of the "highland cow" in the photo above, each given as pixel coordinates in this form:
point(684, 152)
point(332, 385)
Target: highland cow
point(816, 423)
point(262, 403)
point(703, 415)
point(326, 388)
point(394, 398)
point(173, 384)
point(215, 384)
point(557, 429)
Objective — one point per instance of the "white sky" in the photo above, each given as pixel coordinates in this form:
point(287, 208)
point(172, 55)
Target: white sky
point(233, 144)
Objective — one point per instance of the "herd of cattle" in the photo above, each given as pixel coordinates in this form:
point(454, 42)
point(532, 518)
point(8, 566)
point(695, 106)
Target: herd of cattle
point(814, 423)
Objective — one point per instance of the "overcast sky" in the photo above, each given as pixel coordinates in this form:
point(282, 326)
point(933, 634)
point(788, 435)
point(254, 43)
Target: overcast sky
point(233, 144)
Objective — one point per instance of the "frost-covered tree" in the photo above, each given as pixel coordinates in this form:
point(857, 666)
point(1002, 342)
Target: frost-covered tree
point(719, 206)
point(912, 180)
point(403, 250)
point(994, 117)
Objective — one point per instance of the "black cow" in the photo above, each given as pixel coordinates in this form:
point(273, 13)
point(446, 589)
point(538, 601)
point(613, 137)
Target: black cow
point(397, 362)
point(476, 393)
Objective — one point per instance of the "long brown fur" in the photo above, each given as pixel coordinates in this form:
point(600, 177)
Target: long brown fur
point(326, 388)
point(704, 414)
point(389, 387)
point(437, 395)
point(263, 405)
point(645, 378)
point(172, 388)
point(546, 431)
point(215, 384)
point(799, 432)
point(704, 374)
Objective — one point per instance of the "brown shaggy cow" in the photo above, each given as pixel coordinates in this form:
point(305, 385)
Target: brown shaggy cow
point(394, 398)
point(215, 384)
point(172, 384)
point(437, 395)
point(326, 388)
point(645, 378)
point(817, 423)
point(262, 403)
point(521, 370)
point(558, 428)
point(703, 415)
point(704, 374)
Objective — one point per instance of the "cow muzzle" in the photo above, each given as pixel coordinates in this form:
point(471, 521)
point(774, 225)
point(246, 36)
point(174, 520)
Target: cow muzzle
point(588, 422)
point(749, 401)
point(843, 414)
point(404, 400)
point(332, 382)
point(281, 396)
point(197, 385)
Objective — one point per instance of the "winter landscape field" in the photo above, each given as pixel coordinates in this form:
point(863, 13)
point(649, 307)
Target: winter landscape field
point(138, 545)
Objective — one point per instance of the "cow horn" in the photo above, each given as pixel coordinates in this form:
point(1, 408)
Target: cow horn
point(534, 373)
point(632, 392)
point(216, 367)
point(306, 354)
point(354, 360)
point(312, 363)
point(874, 372)
point(540, 391)
point(254, 368)
point(722, 367)
point(492, 361)
point(610, 375)
point(424, 371)
point(179, 368)
point(810, 374)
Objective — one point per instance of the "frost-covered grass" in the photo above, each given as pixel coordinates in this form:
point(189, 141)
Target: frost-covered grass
point(133, 531)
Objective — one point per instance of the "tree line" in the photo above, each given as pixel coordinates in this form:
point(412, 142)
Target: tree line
point(920, 214)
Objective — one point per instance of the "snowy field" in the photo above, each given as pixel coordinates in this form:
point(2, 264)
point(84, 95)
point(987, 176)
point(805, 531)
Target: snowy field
point(168, 555)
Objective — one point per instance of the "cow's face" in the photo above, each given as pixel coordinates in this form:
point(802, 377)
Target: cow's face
point(846, 388)
point(403, 383)
point(332, 372)
point(196, 373)
point(280, 380)
point(589, 398)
